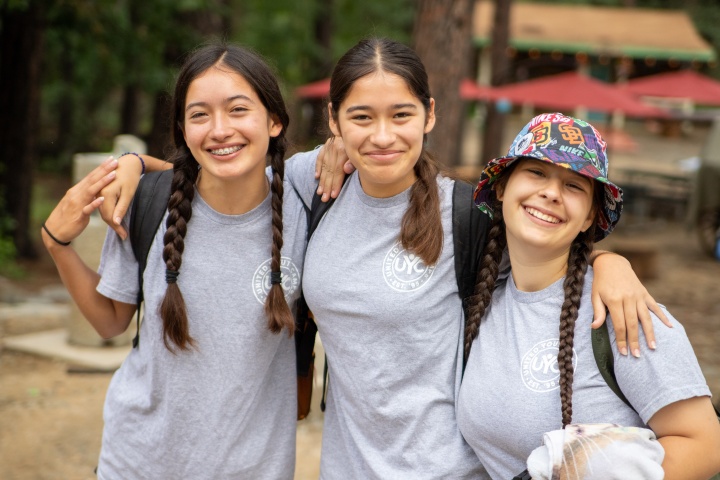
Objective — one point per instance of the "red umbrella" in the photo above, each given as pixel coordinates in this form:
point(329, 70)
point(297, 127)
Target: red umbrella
point(680, 84)
point(570, 90)
point(469, 90)
point(319, 89)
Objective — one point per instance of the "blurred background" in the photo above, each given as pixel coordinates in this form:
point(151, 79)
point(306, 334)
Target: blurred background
point(81, 79)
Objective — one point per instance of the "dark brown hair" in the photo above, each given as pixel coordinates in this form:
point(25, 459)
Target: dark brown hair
point(573, 287)
point(261, 78)
point(421, 229)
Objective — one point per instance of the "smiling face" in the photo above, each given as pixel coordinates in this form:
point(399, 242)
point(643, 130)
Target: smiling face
point(382, 125)
point(227, 128)
point(545, 207)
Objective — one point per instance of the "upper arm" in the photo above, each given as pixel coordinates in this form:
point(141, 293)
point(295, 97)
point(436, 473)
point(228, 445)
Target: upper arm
point(689, 432)
point(300, 173)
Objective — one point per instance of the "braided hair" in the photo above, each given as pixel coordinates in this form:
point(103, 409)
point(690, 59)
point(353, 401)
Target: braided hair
point(421, 228)
point(256, 72)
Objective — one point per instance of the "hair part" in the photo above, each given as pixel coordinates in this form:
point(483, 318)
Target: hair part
point(258, 74)
point(421, 228)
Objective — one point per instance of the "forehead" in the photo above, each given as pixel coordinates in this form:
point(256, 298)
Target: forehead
point(558, 169)
point(219, 82)
point(380, 87)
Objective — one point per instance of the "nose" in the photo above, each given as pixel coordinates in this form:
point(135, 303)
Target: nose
point(221, 129)
point(383, 135)
point(551, 189)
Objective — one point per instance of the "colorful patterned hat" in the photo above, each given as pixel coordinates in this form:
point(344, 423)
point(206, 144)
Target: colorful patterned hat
point(564, 141)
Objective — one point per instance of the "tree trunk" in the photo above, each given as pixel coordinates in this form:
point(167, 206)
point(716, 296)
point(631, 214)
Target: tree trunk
point(443, 39)
point(20, 56)
point(500, 71)
point(129, 113)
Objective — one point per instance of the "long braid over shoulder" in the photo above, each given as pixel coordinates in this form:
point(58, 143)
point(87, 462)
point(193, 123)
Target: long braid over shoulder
point(277, 310)
point(172, 310)
point(421, 230)
point(573, 285)
point(486, 278)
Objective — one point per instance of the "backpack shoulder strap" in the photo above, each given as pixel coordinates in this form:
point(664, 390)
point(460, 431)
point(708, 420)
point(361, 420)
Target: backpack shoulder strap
point(147, 211)
point(470, 228)
point(602, 350)
point(305, 327)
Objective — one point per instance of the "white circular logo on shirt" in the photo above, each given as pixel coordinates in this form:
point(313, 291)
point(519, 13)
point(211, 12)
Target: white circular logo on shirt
point(290, 279)
point(404, 271)
point(539, 366)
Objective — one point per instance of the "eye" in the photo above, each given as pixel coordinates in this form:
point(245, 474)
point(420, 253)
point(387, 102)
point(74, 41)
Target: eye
point(196, 115)
point(361, 117)
point(536, 172)
point(239, 109)
point(403, 115)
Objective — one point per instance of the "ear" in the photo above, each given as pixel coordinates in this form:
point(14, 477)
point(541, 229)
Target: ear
point(430, 122)
point(275, 127)
point(591, 218)
point(499, 191)
point(334, 127)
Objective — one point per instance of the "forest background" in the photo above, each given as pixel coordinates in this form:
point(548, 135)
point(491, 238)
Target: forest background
point(76, 73)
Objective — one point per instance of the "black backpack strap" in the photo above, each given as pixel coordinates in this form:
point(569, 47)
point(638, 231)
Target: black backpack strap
point(305, 327)
point(147, 211)
point(470, 229)
point(602, 350)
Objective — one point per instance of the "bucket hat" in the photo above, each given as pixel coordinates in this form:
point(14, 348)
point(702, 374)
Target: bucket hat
point(564, 141)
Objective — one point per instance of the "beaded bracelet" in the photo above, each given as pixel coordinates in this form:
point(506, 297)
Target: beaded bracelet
point(59, 242)
point(139, 158)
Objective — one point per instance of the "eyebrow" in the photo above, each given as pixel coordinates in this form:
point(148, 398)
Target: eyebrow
point(227, 100)
point(397, 106)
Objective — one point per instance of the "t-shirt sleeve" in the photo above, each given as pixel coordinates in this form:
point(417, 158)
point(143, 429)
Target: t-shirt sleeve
point(300, 173)
point(663, 376)
point(118, 269)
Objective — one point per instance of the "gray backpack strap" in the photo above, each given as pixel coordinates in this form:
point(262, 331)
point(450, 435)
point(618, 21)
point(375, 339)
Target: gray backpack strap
point(147, 211)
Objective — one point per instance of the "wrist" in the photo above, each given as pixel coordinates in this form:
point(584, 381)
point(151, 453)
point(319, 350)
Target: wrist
point(142, 162)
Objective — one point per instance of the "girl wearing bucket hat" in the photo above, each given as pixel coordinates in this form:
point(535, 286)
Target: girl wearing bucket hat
point(379, 277)
point(550, 200)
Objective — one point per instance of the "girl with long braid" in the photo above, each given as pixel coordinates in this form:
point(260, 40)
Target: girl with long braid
point(531, 368)
point(380, 277)
point(210, 390)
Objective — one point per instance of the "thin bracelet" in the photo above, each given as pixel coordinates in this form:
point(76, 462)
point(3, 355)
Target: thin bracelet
point(139, 158)
point(59, 242)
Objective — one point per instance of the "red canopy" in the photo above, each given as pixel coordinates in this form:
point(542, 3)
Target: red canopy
point(469, 90)
point(570, 90)
point(319, 89)
point(680, 84)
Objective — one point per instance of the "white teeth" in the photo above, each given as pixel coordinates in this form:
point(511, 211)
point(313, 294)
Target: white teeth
point(542, 216)
point(226, 151)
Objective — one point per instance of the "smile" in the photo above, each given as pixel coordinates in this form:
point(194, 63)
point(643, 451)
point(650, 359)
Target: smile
point(542, 216)
point(226, 150)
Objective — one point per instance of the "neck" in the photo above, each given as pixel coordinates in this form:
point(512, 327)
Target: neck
point(535, 270)
point(233, 196)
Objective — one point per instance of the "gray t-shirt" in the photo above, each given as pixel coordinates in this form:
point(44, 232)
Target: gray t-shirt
point(510, 395)
point(392, 330)
point(227, 409)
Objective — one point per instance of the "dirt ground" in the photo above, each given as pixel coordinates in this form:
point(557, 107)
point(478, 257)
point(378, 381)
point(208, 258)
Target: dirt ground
point(51, 420)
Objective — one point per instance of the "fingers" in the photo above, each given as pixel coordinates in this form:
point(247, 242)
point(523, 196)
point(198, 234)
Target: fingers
point(631, 325)
point(319, 161)
point(598, 311)
point(647, 324)
point(94, 181)
point(89, 208)
point(348, 168)
point(655, 308)
point(120, 210)
point(618, 320)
